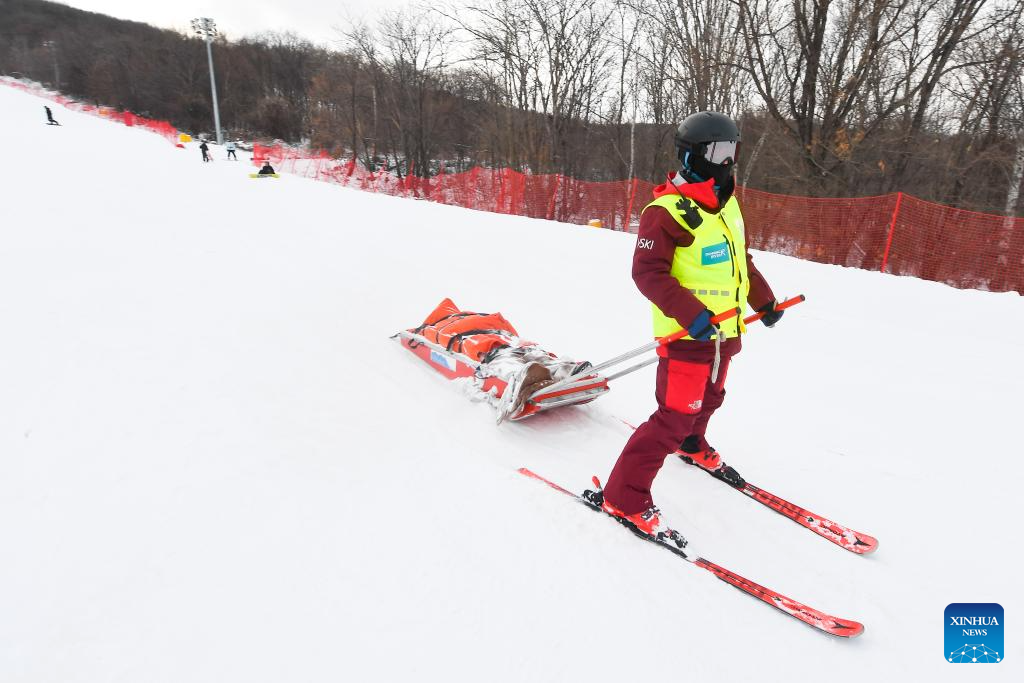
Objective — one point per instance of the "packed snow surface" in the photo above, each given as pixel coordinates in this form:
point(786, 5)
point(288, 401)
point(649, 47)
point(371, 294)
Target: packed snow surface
point(216, 466)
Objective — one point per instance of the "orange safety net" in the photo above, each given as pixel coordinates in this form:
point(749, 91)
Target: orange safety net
point(127, 118)
point(893, 233)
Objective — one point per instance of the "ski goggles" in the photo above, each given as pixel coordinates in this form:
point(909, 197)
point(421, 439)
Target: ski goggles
point(721, 152)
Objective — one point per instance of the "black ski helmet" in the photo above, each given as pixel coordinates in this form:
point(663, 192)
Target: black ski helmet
point(697, 150)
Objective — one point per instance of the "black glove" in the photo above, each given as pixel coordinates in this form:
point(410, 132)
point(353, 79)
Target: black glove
point(702, 328)
point(771, 316)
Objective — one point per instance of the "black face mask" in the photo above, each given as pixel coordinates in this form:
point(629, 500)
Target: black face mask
point(720, 173)
point(708, 160)
point(698, 169)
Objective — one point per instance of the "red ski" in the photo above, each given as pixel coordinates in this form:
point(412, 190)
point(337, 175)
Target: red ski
point(843, 536)
point(843, 628)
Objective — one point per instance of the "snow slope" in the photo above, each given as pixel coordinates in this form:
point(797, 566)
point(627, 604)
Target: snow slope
point(215, 466)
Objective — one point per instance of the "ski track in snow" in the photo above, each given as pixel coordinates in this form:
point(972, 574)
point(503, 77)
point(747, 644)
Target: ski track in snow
point(215, 465)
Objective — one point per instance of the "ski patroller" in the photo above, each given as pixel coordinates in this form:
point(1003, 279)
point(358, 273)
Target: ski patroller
point(843, 536)
point(827, 623)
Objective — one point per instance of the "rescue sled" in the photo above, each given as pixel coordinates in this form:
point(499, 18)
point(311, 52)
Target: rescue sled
point(585, 383)
point(575, 390)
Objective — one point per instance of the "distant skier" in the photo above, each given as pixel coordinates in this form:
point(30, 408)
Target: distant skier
point(205, 150)
point(692, 263)
point(49, 117)
point(231, 150)
point(267, 169)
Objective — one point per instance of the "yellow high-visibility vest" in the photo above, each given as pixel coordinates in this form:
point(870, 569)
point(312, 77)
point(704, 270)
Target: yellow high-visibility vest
point(714, 267)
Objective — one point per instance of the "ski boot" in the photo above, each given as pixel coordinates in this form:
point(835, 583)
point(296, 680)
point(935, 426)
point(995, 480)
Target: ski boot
point(696, 451)
point(646, 524)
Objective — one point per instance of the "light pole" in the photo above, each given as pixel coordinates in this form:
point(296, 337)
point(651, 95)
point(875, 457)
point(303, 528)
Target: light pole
point(205, 27)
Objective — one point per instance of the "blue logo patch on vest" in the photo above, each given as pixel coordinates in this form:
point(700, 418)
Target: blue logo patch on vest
point(716, 253)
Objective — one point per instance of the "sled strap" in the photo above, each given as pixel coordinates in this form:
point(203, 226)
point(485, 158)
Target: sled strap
point(490, 355)
point(459, 314)
point(719, 336)
point(461, 337)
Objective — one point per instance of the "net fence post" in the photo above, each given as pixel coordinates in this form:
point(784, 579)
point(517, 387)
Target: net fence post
point(892, 230)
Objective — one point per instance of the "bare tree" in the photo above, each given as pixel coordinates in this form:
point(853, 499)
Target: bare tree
point(408, 52)
point(980, 111)
point(687, 61)
point(705, 44)
point(939, 28)
point(624, 96)
point(553, 56)
point(817, 63)
point(506, 58)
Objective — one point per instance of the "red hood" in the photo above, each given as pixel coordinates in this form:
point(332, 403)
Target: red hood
point(702, 193)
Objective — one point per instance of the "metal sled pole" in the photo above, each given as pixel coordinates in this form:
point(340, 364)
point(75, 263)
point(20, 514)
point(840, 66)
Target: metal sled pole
point(671, 338)
point(668, 339)
point(632, 368)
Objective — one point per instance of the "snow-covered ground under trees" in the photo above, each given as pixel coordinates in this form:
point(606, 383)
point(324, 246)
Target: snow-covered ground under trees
point(215, 465)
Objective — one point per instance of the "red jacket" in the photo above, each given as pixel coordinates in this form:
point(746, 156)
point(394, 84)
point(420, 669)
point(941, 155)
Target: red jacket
point(661, 234)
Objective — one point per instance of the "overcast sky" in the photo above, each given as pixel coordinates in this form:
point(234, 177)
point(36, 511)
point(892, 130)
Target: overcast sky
point(312, 19)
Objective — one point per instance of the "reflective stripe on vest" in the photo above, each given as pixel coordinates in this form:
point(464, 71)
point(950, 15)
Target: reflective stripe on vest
point(714, 267)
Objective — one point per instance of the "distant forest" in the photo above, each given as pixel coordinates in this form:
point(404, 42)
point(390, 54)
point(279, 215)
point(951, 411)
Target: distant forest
point(834, 97)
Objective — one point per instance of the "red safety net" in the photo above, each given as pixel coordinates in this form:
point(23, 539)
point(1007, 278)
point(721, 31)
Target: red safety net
point(893, 233)
point(127, 118)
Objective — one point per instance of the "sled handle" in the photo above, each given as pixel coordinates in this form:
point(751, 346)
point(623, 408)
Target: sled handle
point(721, 317)
point(715, 319)
point(780, 307)
point(668, 339)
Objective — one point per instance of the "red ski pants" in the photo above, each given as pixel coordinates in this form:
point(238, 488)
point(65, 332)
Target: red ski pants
point(687, 398)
